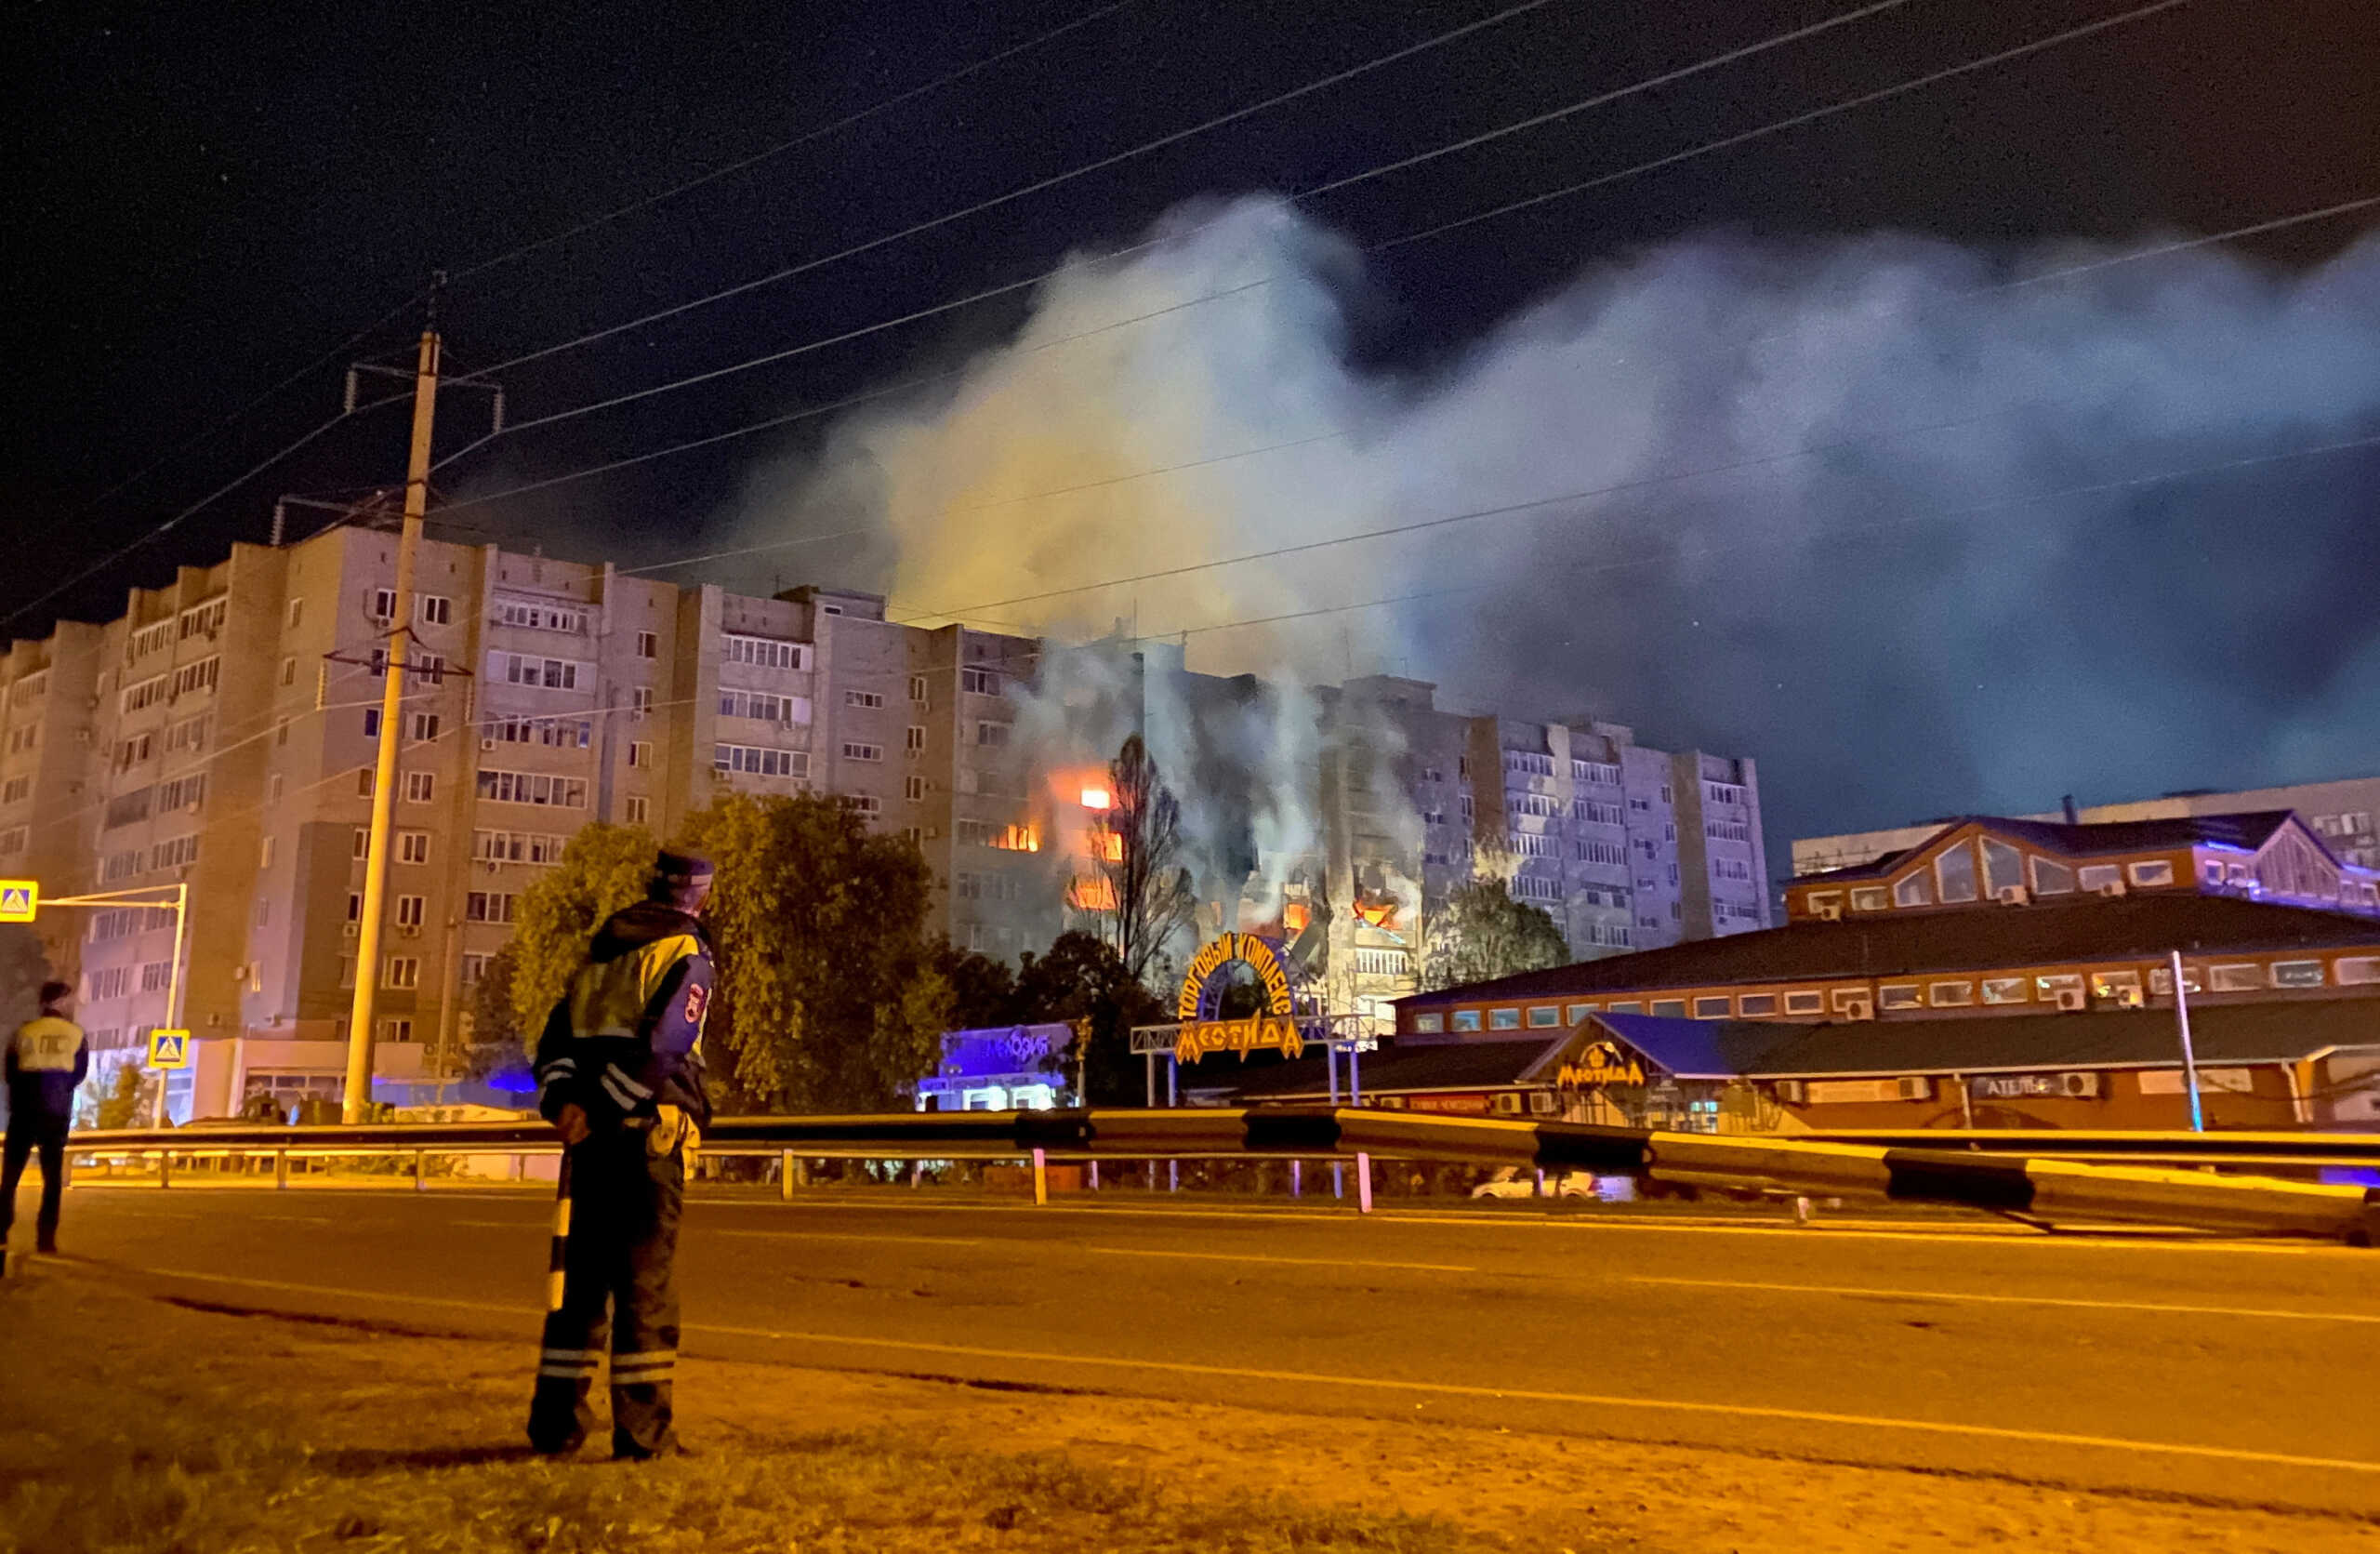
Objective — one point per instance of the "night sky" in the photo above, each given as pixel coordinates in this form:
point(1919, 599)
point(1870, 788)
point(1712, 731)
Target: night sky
point(205, 200)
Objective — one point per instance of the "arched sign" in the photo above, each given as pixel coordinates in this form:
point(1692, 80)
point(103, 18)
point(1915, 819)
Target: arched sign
point(1202, 986)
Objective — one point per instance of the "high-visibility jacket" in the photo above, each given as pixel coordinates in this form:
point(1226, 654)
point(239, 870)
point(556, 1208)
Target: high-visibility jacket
point(47, 1059)
point(627, 1039)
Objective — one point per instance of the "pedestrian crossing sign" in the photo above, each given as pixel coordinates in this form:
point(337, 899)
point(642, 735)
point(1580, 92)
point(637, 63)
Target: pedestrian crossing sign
point(169, 1049)
point(19, 900)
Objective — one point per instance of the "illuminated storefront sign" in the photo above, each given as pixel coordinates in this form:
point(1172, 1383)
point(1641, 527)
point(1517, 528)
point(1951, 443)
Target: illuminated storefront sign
point(1257, 1033)
point(1601, 1064)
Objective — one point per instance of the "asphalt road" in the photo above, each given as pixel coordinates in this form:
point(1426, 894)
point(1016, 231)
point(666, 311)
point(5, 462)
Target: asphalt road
point(2229, 1371)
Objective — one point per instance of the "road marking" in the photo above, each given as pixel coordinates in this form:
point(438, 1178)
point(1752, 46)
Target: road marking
point(2007, 1300)
point(502, 1225)
point(1295, 1262)
point(850, 1235)
point(1379, 1384)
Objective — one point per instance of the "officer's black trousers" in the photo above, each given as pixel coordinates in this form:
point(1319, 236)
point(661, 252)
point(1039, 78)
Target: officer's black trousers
point(622, 1240)
point(29, 1131)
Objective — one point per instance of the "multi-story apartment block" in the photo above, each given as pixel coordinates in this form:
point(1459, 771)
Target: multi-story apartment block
point(222, 734)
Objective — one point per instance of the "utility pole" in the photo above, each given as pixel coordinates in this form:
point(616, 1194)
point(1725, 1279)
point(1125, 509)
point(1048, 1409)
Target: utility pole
point(384, 773)
point(2189, 1056)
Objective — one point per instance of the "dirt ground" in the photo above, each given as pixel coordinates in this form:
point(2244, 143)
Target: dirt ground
point(136, 1423)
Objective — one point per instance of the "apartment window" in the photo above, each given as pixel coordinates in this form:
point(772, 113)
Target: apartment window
point(864, 699)
point(1950, 995)
point(174, 853)
point(1627, 1006)
point(529, 669)
point(434, 609)
point(993, 734)
point(409, 912)
point(533, 787)
point(264, 909)
point(281, 734)
point(764, 706)
point(18, 787)
point(474, 968)
point(371, 723)
point(108, 982)
point(759, 760)
point(1723, 792)
point(979, 682)
point(384, 605)
point(364, 782)
point(1004, 838)
point(419, 786)
point(914, 788)
point(855, 749)
point(182, 793)
point(490, 906)
point(866, 803)
point(1598, 813)
point(555, 732)
point(1665, 794)
point(154, 974)
point(147, 693)
point(290, 671)
point(648, 644)
point(634, 810)
point(763, 652)
point(539, 616)
point(296, 614)
point(919, 691)
point(915, 740)
point(423, 727)
point(413, 847)
point(2159, 872)
point(15, 840)
point(641, 703)
point(540, 847)
point(402, 970)
point(639, 753)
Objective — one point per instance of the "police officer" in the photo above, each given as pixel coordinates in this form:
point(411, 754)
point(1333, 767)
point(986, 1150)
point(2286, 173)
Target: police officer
point(47, 1056)
point(620, 1075)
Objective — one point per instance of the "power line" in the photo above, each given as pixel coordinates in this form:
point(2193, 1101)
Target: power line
point(193, 509)
point(805, 137)
point(1597, 99)
point(1040, 185)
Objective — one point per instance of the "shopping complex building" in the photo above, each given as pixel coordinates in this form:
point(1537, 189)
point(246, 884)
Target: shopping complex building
point(221, 735)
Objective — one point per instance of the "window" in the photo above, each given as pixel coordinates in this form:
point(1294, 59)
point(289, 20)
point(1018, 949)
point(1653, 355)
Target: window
point(409, 912)
point(264, 854)
point(763, 652)
point(154, 974)
point(542, 847)
point(290, 671)
point(555, 732)
point(1901, 995)
point(2241, 978)
point(402, 970)
point(2298, 974)
point(174, 853)
point(383, 607)
point(1598, 813)
point(757, 761)
point(147, 693)
point(864, 804)
point(1914, 890)
point(107, 982)
point(1466, 1019)
point(1504, 1019)
point(413, 847)
point(1543, 1016)
point(1956, 868)
point(2003, 866)
point(539, 616)
point(914, 743)
point(993, 734)
point(296, 614)
point(125, 809)
point(913, 788)
point(533, 787)
point(2159, 872)
point(919, 690)
point(763, 706)
point(474, 967)
point(1529, 763)
point(15, 839)
point(1715, 1008)
point(1006, 839)
point(860, 750)
point(648, 644)
point(2052, 879)
point(422, 727)
point(864, 699)
point(1723, 792)
point(419, 786)
point(635, 810)
point(1577, 1012)
point(489, 906)
point(1950, 995)
point(528, 669)
point(639, 753)
point(1669, 1008)
point(363, 841)
point(1805, 1004)
point(979, 682)
point(1600, 852)
point(2098, 876)
point(1594, 772)
point(640, 702)
point(364, 779)
point(2359, 971)
point(1752, 1005)
point(1429, 1025)
point(434, 609)
point(2003, 989)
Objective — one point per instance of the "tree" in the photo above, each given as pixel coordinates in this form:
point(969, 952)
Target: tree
point(1082, 979)
point(129, 1101)
point(604, 868)
point(1481, 932)
point(24, 966)
point(829, 993)
point(1136, 848)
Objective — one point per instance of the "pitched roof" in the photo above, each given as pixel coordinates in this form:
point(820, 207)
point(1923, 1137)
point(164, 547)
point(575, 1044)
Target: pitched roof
point(1976, 938)
point(2221, 1034)
point(1439, 1066)
point(2092, 838)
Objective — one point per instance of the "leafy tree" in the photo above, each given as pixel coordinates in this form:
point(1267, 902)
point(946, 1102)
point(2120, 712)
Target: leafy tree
point(830, 995)
point(1081, 981)
point(1481, 932)
point(24, 966)
point(982, 991)
point(604, 868)
point(129, 1100)
point(1136, 847)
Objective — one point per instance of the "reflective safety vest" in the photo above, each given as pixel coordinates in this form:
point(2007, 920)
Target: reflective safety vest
point(46, 1060)
point(614, 998)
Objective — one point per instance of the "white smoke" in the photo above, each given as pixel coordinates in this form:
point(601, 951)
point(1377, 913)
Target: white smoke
point(1827, 524)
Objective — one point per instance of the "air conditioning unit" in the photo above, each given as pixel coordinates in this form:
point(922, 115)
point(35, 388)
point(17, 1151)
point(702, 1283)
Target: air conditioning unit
point(2082, 1086)
point(350, 930)
point(2012, 896)
point(1792, 1092)
point(1859, 1009)
point(2070, 1000)
point(2128, 997)
point(408, 930)
point(1507, 1105)
point(1828, 911)
point(2111, 889)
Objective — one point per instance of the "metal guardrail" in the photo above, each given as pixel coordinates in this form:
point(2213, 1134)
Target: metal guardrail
point(2215, 1148)
point(2022, 1184)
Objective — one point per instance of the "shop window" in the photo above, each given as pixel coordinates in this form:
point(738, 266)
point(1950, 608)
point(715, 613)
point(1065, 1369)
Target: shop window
point(2158, 872)
point(2003, 866)
point(1466, 1019)
point(1914, 890)
point(1714, 1008)
point(1805, 1004)
point(1903, 995)
point(1544, 1016)
point(2052, 879)
point(1956, 868)
point(1669, 1008)
point(1950, 995)
point(2003, 989)
point(2298, 974)
point(1504, 1019)
point(1870, 898)
point(1429, 1025)
point(1752, 1005)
